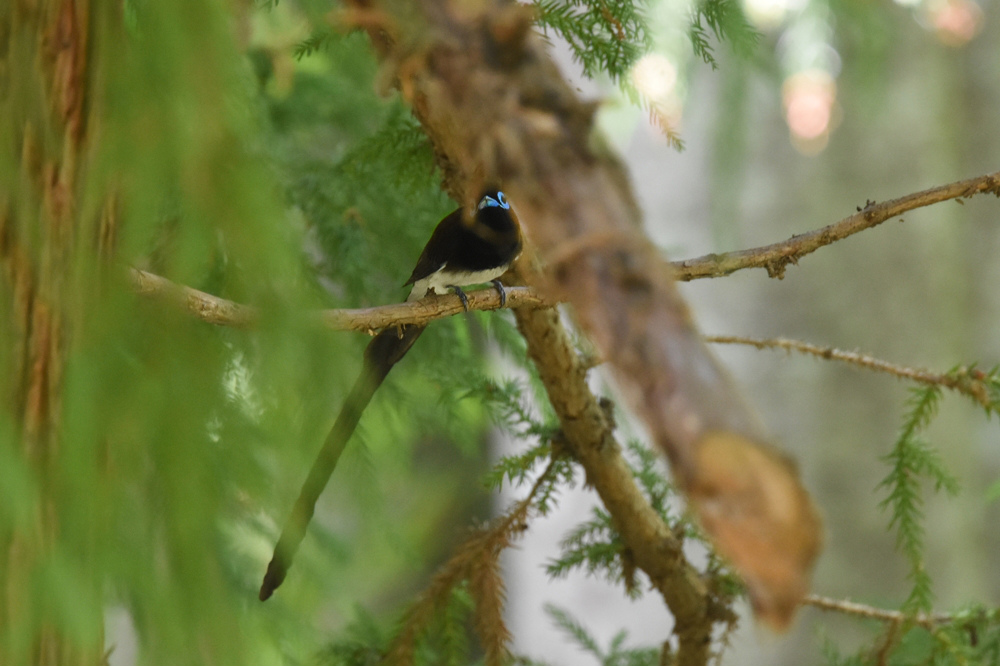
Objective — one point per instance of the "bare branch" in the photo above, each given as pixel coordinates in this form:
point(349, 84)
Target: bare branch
point(963, 380)
point(777, 256)
point(429, 308)
point(206, 307)
point(873, 612)
point(222, 312)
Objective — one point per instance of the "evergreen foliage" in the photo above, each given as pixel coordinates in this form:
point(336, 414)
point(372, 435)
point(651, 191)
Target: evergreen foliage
point(606, 36)
point(728, 23)
point(275, 180)
point(616, 653)
point(911, 460)
point(970, 636)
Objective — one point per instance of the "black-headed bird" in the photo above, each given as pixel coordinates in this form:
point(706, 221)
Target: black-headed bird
point(466, 248)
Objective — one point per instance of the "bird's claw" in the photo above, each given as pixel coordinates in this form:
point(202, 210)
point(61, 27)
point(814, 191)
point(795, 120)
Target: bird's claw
point(501, 291)
point(461, 295)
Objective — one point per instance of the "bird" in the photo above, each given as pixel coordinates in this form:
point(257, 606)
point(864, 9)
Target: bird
point(465, 251)
point(466, 248)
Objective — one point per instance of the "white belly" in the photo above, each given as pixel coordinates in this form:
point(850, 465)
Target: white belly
point(442, 281)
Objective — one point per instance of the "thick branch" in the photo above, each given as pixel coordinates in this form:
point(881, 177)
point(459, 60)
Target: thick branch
point(589, 435)
point(777, 256)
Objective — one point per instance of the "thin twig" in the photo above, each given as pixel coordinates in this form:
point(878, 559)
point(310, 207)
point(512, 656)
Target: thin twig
point(928, 621)
point(889, 641)
point(968, 381)
point(777, 256)
point(222, 312)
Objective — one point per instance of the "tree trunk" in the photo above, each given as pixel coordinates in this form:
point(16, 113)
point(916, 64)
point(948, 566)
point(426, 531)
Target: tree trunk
point(45, 76)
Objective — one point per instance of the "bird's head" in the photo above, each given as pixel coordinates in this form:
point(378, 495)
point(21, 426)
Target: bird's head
point(494, 212)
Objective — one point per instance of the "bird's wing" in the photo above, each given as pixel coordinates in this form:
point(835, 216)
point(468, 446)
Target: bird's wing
point(439, 248)
point(425, 266)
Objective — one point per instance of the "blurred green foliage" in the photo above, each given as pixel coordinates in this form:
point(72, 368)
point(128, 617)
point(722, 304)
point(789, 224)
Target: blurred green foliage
point(287, 185)
point(244, 150)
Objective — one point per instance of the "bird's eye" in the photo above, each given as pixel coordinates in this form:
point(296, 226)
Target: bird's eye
point(490, 202)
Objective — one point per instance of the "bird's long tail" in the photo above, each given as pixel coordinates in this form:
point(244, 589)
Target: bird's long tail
point(383, 352)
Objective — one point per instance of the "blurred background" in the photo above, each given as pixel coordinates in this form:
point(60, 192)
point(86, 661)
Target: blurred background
point(252, 151)
point(841, 103)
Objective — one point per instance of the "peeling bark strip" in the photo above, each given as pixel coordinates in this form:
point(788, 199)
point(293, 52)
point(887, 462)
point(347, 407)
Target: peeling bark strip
point(496, 109)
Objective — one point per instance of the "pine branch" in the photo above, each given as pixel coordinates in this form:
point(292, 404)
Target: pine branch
point(968, 636)
point(605, 36)
point(515, 469)
point(487, 588)
point(577, 631)
point(726, 20)
point(654, 548)
point(596, 547)
point(911, 460)
point(318, 41)
point(512, 412)
point(616, 654)
point(592, 545)
point(454, 634)
point(653, 481)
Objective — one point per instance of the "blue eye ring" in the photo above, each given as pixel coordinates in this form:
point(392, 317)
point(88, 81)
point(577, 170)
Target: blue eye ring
point(490, 202)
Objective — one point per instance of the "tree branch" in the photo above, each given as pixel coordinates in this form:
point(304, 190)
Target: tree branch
point(774, 258)
point(777, 256)
point(968, 381)
point(589, 436)
point(874, 613)
point(222, 312)
point(206, 307)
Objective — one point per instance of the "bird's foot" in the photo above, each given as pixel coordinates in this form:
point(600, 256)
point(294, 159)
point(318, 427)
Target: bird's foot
point(500, 290)
point(461, 295)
